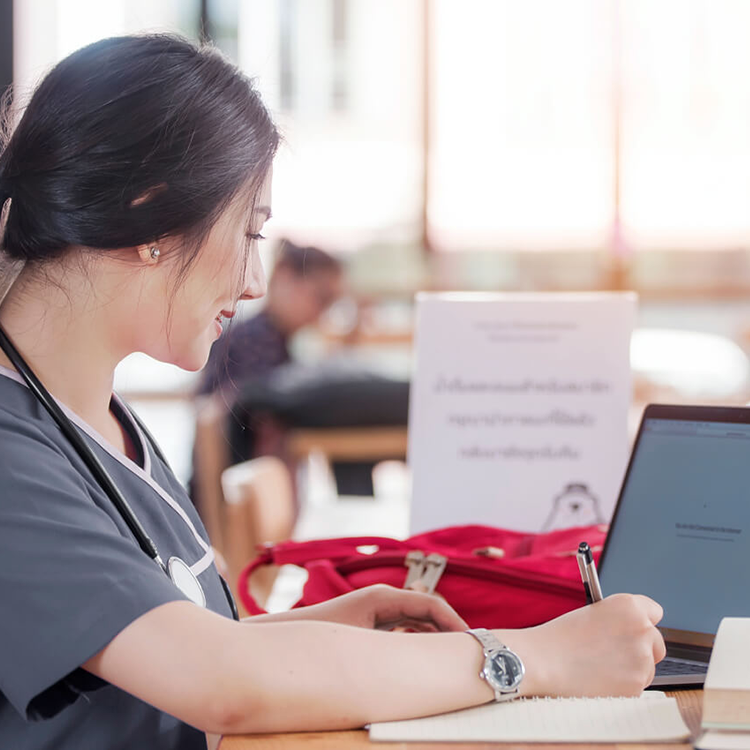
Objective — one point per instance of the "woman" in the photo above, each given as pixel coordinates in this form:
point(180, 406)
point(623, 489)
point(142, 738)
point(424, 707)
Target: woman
point(134, 190)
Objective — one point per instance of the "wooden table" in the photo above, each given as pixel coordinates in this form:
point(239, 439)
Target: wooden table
point(348, 443)
point(690, 702)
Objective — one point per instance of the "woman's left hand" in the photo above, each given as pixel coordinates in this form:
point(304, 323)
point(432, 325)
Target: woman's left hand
point(382, 607)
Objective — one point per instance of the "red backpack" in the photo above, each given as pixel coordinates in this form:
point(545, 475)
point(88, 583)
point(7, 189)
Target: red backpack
point(493, 578)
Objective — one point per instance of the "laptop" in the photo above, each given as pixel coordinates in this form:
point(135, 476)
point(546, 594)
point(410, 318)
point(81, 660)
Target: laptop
point(680, 532)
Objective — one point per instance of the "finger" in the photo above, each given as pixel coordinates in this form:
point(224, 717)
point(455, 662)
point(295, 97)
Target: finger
point(406, 625)
point(439, 612)
point(400, 604)
point(653, 610)
point(650, 676)
point(660, 648)
point(421, 586)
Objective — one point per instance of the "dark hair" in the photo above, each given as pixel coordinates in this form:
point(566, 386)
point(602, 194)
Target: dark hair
point(305, 260)
point(152, 117)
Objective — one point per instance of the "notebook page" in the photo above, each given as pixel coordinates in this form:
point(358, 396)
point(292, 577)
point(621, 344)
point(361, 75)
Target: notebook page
point(644, 719)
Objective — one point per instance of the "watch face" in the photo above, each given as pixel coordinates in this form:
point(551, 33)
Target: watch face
point(504, 670)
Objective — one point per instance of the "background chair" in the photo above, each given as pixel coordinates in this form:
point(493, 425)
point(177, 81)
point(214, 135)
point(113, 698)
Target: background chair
point(258, 507)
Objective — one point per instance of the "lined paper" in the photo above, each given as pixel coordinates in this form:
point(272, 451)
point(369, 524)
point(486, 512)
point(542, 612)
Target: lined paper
point(649, 718)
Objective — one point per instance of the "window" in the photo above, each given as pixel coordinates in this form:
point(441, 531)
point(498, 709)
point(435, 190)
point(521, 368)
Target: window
point(344, 82)
point(521, 151)
point(612, 137)
point(685, 171)
point(45, 31)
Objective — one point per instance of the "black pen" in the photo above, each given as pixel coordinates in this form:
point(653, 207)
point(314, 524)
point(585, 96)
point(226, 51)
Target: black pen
point(589, 576)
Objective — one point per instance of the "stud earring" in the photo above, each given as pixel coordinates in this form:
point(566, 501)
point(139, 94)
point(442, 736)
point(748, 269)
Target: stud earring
point(155, 253)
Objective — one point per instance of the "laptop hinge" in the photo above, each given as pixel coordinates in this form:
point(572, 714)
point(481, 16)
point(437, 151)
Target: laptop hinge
point(685, 651)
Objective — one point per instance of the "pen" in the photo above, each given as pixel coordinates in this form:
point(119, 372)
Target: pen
point(589, 576)
point(584, 575)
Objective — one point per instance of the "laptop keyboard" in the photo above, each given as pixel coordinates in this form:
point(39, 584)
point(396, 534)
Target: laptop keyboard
point(670, 666)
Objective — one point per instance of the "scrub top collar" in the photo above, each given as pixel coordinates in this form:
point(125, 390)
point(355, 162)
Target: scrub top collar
point(143, 473)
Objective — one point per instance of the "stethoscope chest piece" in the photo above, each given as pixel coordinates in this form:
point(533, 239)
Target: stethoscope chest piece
point(185, 580)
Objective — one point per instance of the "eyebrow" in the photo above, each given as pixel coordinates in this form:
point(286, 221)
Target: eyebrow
point(264, 210)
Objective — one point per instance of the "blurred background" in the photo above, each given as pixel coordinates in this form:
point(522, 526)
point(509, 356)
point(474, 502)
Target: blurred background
point(474, 145)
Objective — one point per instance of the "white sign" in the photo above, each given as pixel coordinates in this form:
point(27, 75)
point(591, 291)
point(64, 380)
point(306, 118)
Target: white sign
point(518, 408)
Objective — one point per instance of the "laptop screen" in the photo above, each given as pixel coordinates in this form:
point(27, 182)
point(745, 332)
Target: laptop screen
point(681, 531)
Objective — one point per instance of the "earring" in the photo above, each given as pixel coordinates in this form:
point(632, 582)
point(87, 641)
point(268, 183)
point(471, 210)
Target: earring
point(155, 253)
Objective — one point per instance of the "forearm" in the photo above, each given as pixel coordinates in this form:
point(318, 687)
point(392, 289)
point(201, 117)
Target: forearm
point(344, 677)
point(292, 615)
point(226, 677)
point(311, 676)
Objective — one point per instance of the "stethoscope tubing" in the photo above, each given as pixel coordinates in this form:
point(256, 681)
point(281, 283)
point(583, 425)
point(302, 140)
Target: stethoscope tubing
point(160, 455)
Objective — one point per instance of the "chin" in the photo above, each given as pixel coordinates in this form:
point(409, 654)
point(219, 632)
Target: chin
point(191, 360)
point(189, 354)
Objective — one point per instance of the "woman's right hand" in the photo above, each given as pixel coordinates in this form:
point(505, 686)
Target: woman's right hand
point(607, 648)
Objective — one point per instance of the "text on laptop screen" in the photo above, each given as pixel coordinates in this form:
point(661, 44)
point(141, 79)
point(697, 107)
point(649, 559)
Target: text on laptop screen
point(682, 530)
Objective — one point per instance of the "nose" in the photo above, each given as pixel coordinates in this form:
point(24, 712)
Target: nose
point(255, 280)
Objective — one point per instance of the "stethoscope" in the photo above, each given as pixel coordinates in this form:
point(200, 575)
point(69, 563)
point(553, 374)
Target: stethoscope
point(176, 569)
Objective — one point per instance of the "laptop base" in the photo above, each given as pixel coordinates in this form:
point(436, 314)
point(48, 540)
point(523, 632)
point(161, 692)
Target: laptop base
point(674, 671)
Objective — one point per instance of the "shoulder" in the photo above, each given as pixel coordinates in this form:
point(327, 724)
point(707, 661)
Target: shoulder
point(249, 328)
point(254, 338)
point(24, 423)
point(38, 465)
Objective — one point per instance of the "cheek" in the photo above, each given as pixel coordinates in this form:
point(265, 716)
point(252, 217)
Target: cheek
point(192, 322)
point(188, 330)
point(175, 325)
point(196, 302)
point(145, 323)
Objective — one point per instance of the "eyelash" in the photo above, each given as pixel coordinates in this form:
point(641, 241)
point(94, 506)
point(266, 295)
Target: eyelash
point(258, 237)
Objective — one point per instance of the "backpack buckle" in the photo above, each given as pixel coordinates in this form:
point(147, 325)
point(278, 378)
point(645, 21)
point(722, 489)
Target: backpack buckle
point(424, 571)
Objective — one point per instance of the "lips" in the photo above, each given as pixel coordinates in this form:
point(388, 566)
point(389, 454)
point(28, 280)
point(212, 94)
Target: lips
point(227, 314)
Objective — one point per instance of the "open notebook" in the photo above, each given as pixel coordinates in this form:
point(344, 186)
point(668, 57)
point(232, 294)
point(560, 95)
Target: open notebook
point(651, 718)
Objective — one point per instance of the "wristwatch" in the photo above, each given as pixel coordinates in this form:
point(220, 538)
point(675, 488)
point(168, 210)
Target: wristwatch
point(503, 670)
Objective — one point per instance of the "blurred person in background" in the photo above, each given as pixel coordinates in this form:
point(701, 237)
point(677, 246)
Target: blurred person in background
point(304, 283)
point(257, 392)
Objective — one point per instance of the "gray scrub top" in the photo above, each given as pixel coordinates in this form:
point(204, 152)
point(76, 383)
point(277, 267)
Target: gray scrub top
point(72, 577)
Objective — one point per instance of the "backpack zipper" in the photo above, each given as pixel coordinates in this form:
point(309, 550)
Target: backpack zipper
point(472, 570)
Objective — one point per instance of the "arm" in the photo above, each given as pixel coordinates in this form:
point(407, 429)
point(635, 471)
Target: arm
point(222, 676)
point(380, 606)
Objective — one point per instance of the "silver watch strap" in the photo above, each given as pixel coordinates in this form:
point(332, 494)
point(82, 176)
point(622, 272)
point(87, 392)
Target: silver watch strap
point(489, 642)
point(491, 646)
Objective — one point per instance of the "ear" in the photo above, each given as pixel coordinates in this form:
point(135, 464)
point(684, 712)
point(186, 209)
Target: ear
point(149, 254)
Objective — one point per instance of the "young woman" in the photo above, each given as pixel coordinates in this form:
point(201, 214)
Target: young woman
point(134, 189)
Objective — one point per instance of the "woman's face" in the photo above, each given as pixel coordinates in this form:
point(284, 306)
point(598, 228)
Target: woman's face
point(226, 270)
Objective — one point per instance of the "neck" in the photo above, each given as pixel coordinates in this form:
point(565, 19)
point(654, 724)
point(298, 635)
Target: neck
point(66, 341)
